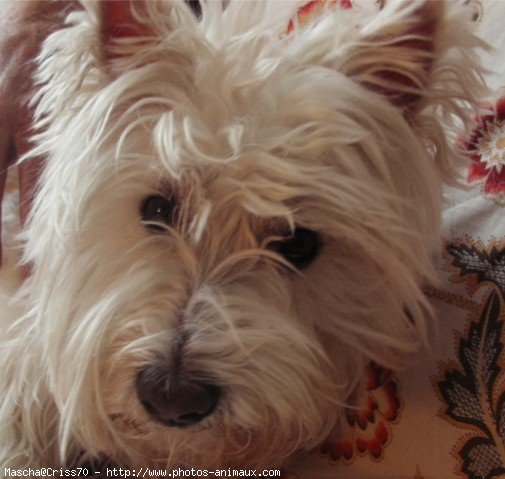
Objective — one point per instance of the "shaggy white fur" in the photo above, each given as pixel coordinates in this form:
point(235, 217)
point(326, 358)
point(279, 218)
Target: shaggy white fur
point(341, 128)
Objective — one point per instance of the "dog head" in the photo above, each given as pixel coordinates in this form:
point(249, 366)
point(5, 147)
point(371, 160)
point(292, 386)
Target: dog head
point(236, 214)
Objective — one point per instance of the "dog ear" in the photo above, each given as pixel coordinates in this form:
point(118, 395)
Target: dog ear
point(395, 52)
point(131, 30)
point(121, 20)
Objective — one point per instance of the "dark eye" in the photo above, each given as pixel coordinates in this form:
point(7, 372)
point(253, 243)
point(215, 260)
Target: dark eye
point(157, 209)
point(300, 249)
point(195, 6)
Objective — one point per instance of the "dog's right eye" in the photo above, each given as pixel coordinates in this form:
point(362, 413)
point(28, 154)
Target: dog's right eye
point(300, 248)
point(157, 210)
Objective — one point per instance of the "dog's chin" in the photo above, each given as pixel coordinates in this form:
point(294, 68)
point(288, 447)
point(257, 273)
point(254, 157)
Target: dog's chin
point(201, 445)
point(217, 441)
point(213, 443)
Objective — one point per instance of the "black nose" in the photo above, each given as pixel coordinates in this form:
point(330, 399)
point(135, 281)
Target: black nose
point(174, 400)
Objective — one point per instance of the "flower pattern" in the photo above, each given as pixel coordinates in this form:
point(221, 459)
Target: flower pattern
point(368, 430)
point(487, 149)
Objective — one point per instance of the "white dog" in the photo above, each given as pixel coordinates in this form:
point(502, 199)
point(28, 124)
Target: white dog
point(236, 214)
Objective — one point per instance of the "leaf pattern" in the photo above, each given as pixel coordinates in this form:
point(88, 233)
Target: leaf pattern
point(500, 410)
point(469, 393)
point(481, 459)
point(489, 266)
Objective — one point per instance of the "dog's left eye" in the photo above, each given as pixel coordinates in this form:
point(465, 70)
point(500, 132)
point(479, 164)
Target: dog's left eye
point(155, 210)
point(300, 249)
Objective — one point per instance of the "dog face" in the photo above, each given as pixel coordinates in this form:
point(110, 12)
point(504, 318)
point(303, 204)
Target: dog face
point(233, 219)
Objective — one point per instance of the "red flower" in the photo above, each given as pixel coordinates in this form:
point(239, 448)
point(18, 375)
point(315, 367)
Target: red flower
point(369, 429)
point(487, 148)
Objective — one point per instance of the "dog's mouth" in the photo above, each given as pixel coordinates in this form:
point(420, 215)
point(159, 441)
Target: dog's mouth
point(124, 421)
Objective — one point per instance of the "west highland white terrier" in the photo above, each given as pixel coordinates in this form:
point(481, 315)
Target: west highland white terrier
point(238, 210)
